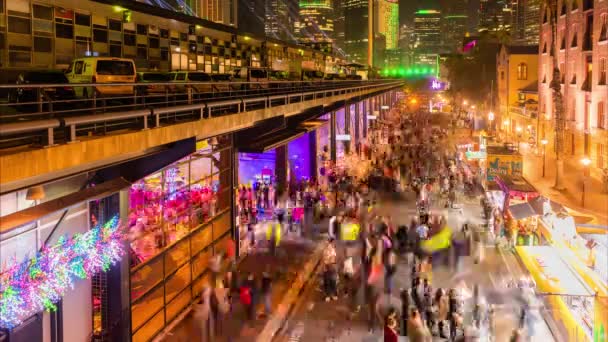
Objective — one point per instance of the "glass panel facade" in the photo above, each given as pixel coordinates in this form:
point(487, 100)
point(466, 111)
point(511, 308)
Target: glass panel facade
point(178, 218)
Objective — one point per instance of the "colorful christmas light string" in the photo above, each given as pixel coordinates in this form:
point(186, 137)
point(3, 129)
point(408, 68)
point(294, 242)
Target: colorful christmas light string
point(38, 283)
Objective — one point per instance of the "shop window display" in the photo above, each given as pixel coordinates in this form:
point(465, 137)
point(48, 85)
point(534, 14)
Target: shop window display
point(176, 217)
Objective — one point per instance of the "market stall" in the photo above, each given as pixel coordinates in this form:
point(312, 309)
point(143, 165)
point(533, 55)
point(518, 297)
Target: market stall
point(516, 189)
point(523, 218)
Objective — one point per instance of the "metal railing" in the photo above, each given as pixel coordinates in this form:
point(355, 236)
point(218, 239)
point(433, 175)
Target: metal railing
point(46, 122)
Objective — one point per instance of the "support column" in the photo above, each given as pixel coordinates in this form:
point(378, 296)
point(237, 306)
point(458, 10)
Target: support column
point(365, 114)
point(280, 171)
point(312, 147)
point(347, 126)
point(357, 127)
point(332, 136)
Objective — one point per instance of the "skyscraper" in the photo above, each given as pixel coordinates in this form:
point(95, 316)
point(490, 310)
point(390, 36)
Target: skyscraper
point(339, 23)
point(495, 15)
point(251, 16)
point(532, 21)
point(316, 24)
point(355, 30)
point(386, 21)
point(279, 20)
point(427, 29)
point(219, 11)
point(454, 23)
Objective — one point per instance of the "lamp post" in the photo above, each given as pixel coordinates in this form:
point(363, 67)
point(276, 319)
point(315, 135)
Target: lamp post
point(491, 120)
point(544, 142)
point(586, 162)
point(518, 130)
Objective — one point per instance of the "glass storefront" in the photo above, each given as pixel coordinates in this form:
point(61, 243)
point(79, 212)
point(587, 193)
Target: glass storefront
point(299, 159)
point(179, 217)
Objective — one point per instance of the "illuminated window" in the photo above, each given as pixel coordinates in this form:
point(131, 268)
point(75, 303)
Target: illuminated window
point(604, 27)
point(522, 71)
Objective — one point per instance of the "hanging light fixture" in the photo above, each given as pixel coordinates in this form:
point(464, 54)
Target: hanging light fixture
point(35, 193)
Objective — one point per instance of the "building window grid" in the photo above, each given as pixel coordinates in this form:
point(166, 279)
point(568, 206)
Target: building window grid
point(603, 66)
point(64, 28)
point(604, 28)
point(601, 116)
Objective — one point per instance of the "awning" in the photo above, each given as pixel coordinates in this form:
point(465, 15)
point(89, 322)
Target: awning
point(273, 141)
point(31, 214)
point(311, 125)
point(537, 205)
point(521, 211)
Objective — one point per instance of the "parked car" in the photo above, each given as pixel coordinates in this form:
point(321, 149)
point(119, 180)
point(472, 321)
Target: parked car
point(221, 82)
point(24, 94)
point(258, 76)
point(152, 77)
point(29, 94)
point(102, 70)
point(201, 82)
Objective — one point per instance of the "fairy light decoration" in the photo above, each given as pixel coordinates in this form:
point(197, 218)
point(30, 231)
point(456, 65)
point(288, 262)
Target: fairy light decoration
point(37, 284)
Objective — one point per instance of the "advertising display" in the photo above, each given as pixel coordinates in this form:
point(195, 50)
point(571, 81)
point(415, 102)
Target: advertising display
point(504, 164)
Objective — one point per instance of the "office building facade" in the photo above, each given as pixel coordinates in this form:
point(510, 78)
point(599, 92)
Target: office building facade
point(316, 23)
point(582, 57)
point(356, 30)
point(427, 30)
point(386, 21)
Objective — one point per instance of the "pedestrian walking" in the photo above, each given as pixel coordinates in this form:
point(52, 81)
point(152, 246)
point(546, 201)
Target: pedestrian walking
point(202, 316)
point(266, 291)
point(246, 297)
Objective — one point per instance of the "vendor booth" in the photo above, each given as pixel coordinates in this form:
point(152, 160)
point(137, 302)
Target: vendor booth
point(523, 218)
point(516, 189)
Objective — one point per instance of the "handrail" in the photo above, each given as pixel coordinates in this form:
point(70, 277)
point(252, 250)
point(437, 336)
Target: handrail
point(203, 106)
point(107, 117)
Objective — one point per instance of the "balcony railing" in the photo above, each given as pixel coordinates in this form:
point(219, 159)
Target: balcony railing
point(44, 120)
point(523, 111)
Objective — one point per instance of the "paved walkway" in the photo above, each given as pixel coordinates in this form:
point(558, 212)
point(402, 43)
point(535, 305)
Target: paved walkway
point(294, 254)
point(596, 202)
point(316, 320)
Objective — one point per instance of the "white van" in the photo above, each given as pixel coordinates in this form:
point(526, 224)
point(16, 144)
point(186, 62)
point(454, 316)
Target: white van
point(102, 70)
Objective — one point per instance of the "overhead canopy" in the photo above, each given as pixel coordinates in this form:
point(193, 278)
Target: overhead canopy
point(269, 134)
point(522, 211)
point(38, 212)
point(537, 205)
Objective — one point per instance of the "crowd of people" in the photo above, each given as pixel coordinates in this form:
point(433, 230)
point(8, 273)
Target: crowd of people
point(415, 159)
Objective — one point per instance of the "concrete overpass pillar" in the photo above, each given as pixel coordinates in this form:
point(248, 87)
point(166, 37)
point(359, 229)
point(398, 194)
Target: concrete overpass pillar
point(347, 126)
point(332, 136)
point(312, 145)
point(281, 171)
point(365, 113)
point(357, 137)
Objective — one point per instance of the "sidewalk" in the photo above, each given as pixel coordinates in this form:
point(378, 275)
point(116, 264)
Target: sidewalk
point(596, 202)
point(295, 256)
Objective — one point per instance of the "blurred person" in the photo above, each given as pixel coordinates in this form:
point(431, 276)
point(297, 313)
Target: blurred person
point(202, 315)
point(266, 291)
point(390, 327)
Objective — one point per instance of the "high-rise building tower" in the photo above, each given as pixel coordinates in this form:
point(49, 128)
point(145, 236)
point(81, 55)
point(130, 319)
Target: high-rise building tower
point(531, 21)
point(277, 20)
point(316, 24)
point(454, 23)
point(339, 24)
point(386, 21)
point(219, 11)
point(495, 15)
point(427, 29)
point(251, 16)
point(355, 30)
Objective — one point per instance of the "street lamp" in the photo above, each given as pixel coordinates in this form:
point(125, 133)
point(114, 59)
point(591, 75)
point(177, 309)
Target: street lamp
point(544, 142)
point(491, 120)
point(586, 162)
point(518, 130)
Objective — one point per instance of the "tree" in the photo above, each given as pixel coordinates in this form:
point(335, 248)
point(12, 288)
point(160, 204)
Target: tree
point(550, 8)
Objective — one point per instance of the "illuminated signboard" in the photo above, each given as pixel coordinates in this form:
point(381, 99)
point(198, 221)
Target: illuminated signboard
point(437, 85)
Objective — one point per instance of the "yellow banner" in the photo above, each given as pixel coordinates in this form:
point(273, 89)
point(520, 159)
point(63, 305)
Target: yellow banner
point(350, 231)
point(439, 241)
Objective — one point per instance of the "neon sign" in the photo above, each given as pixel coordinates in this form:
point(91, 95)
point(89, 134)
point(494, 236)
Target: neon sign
point(437, 85)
